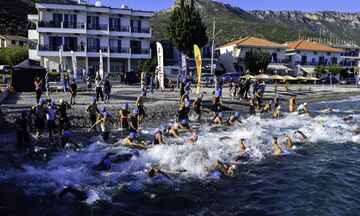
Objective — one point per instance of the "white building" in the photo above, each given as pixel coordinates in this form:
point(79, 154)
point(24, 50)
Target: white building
point(232, 55)
point(12, 40)
point(122, 34)
point(350, 57)
point(305, 55)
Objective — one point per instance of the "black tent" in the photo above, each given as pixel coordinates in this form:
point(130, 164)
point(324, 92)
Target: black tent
point(24, 74)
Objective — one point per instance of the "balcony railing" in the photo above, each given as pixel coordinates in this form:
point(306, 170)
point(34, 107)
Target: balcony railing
point(119, 50)
point(102, 27)
point(47, 47)
point(74, 48)
point(120, 28)
point(49, 24)
point(97, 48)
point(140, 30)
point(74, 25)
point(140, 51)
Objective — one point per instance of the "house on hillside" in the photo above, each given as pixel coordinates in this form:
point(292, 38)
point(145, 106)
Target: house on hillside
point(232, 55)
point(12, 40)
point(122, 34)
point(304, 55)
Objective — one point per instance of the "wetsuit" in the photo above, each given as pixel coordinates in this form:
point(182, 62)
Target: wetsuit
point(105, 128)
point(62, 116)
point(51, 125)
point(22, 133)
point(133, 124)
point(124, 116)
point(92, 109)
point(39, 113)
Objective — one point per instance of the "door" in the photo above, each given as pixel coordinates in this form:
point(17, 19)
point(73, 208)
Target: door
point(303, 60)
point(70, 44)
point(57, 19)
point(135, 25)
point(93, 44)
point(54, 43)
point(135, 47)
point(321, 60)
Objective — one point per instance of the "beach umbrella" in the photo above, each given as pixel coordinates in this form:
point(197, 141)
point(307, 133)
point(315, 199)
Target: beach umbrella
point(276, 78)
point(300, 78)
point(262, 76)
point(247, 77)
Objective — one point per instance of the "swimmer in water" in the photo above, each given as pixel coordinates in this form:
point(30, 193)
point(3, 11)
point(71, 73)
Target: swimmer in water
point(130, 141)
point(111, 158)
point(277, 113)
point(184, 125)
point(105, 123)
point(302, 109)
point(277, 149)
point(81, 195)
point(218, 118)
point(300, 135)
point(193, 138)
point(173, 131)
point(155, 171)
point(244, 152)
point(65, 138)
point(292, 105)
point(326, 110)
point(37, 154)
point(289, 144)
point(225, 168)
point(157, 138)
point(234, 118)
point(267, 107)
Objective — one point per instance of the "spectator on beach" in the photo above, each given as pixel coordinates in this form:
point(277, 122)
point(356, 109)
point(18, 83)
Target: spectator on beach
point(88, 82)
point(67, 80)
point(38, 88)
point(107, 89)
point(99, 91)
point(22, 133)
point(73, 91)
point(92, 109)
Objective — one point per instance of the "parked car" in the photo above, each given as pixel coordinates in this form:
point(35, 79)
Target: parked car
point(131, 78)
point(348, 81)
point(235, 76)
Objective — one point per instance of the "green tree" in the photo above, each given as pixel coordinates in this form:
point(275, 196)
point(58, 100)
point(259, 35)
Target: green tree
point(319, 69)
point(257, 61)
point(186, 28)
point(148, 65)
point(13, 55)
point(334, 69)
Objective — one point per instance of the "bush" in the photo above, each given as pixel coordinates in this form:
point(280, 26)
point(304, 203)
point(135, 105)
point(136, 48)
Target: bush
point(13, 55)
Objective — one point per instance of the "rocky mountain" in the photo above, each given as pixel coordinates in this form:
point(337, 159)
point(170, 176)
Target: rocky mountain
point(280, 26)
point(339, 25)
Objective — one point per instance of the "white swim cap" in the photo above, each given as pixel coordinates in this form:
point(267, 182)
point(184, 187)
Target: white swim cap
point(61, 100)
point(305, 104)
point(176, 125)
point(247, 150)
point(279, 107)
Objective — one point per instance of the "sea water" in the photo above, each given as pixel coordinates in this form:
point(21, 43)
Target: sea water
point(322, 178)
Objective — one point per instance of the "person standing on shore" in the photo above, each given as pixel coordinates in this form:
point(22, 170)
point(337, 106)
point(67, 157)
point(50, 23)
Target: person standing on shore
point(292, 105)
point(50, 117)
point(89, 85)
point(182, 88)
point(92, 110)
point(73, 91)
point(105, 123)
point(99, 91)
point(197, 106)
point(38, 88)
point(107, 89)
point(22, 133)
point(39, 111)
point(124, 116)
point(277, 100)
point(63, 119)
point(140, 106)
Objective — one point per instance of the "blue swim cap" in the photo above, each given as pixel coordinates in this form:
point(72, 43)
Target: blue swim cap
point(188, 103)
point(156, 132)
point(287, 151)
point(106, 114)
point(246, 156)
point(93, 99)
point(355, 133)
point(184, 122)
point(187, 92)
point(339, 127)
point(201, 95)
point(143, 93)
point(237, 114)
point(67, 133)
point(135, 111)
point(136, 153)
point(188, 84)
point(103, 109)
point(107, 162)
point(42, 101)
point(125, 106)
point(163, 127)
point(52, 104)
point(218, 93)
point(216, 174)
point(132, 134)
point(220, 114)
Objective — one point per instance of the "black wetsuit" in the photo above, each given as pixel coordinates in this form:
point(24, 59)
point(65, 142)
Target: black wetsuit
point(134, 123)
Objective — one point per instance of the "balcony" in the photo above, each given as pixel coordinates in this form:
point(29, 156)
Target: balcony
point(119, 50)
point(74, 48)
point(100, 27)
point(120, 28)
point(142, 51)
point(97, 48)
point(140, 30)
point(49, 24)
point(48, 48)
point(74, 25)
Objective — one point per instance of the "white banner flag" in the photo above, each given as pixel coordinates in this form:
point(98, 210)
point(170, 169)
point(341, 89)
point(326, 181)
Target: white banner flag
point(74, 63)
point(101, 66)
point(160, 56)
point(61, 64)
point(183, 61)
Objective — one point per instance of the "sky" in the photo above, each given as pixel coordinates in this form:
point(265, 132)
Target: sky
point(302, 5)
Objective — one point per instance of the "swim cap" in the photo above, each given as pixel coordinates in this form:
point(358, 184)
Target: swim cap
point(143, 93)
point(237, 114)
point(246, 155)
point(125, 106)
point(132, 134)
point(36, 149)
point(135, 111)
point(216, 174)
point(156, 132)
point(93, 99)
point(132, 188)
point(218, 93)
point(107, 162)
point(61, 101)
point(220, 114)
point(67, 133)
point(305, 104)
point(163, 127)
point(106, 114)
point(52, 104)
point(176, 125)
point(42, 101)
point(136, 153)
point(188, 103)
point(271, 101)
point(103, 109)
point(187, 92)
point(279, 107)
point(201, 95)
point(355, 133)
point(184, 122)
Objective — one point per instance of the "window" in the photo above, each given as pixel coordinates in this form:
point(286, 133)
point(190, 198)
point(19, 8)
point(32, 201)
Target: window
point(290, 58)
point(315, 53)
point(93, 22)
point(328, 54)
point(135, 47)
point(21, 43)
point(135, 26)
point(333, 60)
point(298, 52)
point(321, 60)
point(13, 42)
point(303, 59)
point(93, 44)
point(54, 43)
